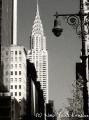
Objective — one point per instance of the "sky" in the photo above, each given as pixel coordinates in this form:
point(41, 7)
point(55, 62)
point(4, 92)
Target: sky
point(63, 52)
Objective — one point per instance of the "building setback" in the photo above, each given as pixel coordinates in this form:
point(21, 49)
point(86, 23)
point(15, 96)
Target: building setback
point(38, 54)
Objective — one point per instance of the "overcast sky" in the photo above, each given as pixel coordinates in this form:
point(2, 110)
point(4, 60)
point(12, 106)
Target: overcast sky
point(63, 52)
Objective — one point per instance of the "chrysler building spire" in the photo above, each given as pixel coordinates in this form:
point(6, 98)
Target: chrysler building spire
point(37, 26)
point(37, 13)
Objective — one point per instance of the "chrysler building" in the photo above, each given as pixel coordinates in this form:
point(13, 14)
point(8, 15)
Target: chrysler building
point(38, 53)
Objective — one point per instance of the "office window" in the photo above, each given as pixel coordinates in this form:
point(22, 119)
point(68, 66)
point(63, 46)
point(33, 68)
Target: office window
point(15, 52)
point(19, 86)
point(11, 79)
point(11, 72)
point(11, 66)
point(6, 72)
point(20, 58)
point(11, 86)
point(20, 66)
point(15, 86)
point(15, 93)
point(19, 72)
point(11, 52)
point(7, 80)
point(15, 58)
point(6, 52)
point(7, 66)
point(11, 58)
point(19, 93)
point(15, 65)
point(7, 59)
point(15, 79)
point(15, 72)
point(20, 52)
point(19, 79)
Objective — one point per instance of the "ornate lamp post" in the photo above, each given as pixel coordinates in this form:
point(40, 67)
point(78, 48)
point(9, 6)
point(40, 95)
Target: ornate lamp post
point(80, 19)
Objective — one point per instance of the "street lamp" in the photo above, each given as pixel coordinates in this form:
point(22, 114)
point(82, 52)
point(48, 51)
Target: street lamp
point(57, 29)
point(80, 19)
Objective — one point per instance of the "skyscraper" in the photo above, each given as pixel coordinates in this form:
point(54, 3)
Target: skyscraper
point(38, 53)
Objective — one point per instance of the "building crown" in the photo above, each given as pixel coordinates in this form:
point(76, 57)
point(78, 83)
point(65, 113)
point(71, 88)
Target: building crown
point(37, 26)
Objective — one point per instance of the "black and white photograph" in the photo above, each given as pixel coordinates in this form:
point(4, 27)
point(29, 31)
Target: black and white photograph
point(44, 59)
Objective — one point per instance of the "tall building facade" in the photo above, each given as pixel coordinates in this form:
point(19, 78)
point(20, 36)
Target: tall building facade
point(5, 29)
point(6, 22)
point(14, 73)
point(38, 53)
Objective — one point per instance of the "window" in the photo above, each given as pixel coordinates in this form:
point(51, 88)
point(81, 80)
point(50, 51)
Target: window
point(19, 72)
point(20, 58)
point(15, 52)
point(15, 79)
point(11, 72)
point(6, 80)
point(20, 66)
point(11, 86)
point(15, 65)
point(6, 52)
point(19, 86)
point(6, 72)
point(15, 93)
point(11, 58)
point(15, 86)
point(20, 52)
point(7, 66)
point(11, 66)
point(15, 58)
point(15, 72)
point(7, 59)
point(11, 52)
point(19, 93)
point(19, 79)
point(11, 79)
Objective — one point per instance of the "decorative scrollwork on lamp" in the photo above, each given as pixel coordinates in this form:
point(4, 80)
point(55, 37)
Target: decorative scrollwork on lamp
point(74, 21)
point(87, 4)
point(86, 23)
